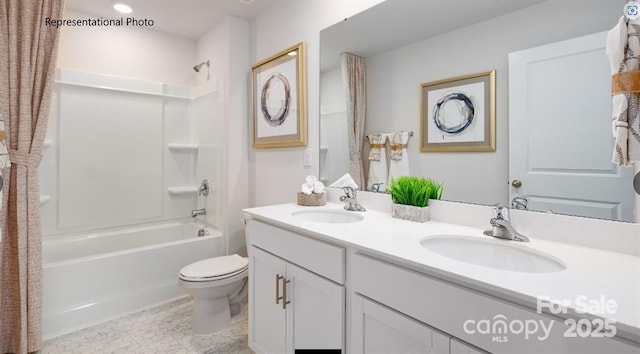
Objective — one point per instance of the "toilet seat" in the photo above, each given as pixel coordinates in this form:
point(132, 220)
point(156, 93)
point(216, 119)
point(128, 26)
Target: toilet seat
point(213, 269)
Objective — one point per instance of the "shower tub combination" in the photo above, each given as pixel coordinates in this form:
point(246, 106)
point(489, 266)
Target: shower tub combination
point(91, 278)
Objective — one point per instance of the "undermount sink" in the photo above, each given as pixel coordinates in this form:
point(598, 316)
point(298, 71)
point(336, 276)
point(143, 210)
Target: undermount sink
point(492, 253)
point(328, 216)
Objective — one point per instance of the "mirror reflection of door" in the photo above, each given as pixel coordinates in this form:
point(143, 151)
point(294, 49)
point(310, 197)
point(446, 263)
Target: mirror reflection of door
point(560, 138)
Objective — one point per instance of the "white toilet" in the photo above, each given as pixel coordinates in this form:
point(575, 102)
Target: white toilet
point(219, 287)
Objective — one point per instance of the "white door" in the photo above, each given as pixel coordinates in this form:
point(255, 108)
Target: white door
point(266, 317)
point(378, 329)
point(315, 316)
point(560, 141)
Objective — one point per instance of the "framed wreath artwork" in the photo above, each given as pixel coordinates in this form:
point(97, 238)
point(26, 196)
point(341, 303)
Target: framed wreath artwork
point(279, 99)
point(458, 114)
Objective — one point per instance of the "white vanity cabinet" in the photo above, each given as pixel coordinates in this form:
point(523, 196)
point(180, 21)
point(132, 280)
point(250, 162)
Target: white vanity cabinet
point(296, 296)
point(379, 329)
point(426, 302)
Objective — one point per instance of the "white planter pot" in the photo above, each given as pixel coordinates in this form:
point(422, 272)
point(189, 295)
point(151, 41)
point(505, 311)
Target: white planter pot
point(410, 212)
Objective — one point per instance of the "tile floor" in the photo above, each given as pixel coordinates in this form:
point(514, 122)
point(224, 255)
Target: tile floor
point(162, 329)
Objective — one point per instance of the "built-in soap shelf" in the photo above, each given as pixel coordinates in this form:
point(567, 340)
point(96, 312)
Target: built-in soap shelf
point(44, 199)
point(185, 190)
point(183, 147)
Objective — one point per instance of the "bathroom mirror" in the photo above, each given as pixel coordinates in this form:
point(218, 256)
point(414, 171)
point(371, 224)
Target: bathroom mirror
point(407, 43)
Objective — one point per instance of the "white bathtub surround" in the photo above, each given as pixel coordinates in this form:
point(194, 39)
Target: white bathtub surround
point(590, 271)
point(91, 278)
point(162, 329)
point(157, 126)
point(378, 169)
point(399, 162)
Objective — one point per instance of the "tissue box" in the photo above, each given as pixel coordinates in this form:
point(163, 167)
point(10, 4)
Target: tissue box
point(313, 199)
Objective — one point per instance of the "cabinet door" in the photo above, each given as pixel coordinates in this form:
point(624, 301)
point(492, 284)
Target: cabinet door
point(266, 318)
point(315, 316)
point(378, 329)
point(459, 347)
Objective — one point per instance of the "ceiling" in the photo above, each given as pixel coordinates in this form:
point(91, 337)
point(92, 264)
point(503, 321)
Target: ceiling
point(396, 23)
point(188, 18)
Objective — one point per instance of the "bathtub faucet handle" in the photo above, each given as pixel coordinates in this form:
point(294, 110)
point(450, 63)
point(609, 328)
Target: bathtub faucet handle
point(197, 212)
point(204, 188)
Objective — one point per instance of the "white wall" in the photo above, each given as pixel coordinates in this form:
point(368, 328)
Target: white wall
point(394, 79)
point(334, 147)
point(132, 52)
point(227, 46)
point(276, 174)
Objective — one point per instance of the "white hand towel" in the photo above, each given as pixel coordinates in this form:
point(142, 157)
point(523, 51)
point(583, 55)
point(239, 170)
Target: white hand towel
point(311, 180)
point(399, 163)
point(318, 187)
point(306, 188)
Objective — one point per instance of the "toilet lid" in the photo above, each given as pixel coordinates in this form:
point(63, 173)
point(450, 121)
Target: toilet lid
point(217, 267)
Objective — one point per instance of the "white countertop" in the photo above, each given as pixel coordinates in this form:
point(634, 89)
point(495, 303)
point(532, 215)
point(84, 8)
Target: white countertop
point(591, 274)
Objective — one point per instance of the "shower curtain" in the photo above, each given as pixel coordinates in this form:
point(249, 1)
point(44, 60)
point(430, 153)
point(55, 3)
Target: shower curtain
point(353, 75)
point(28, 56)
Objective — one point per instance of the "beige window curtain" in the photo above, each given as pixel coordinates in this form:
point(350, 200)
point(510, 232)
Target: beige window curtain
point(354, 77)
point(28, 54)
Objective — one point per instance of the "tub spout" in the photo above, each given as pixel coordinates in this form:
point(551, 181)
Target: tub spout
point(197, 212)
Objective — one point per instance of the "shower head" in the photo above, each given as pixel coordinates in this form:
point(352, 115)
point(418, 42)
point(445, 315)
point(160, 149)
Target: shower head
point(197, 68)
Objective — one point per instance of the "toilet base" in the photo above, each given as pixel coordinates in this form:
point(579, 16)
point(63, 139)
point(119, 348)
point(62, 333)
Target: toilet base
point(210, 315)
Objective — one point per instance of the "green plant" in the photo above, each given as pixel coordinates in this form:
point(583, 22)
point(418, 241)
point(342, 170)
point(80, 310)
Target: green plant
point(413, 190)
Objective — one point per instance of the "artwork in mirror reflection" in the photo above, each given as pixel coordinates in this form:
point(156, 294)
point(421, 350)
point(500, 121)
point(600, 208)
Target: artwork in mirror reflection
point(458, 114)
point(570, 134)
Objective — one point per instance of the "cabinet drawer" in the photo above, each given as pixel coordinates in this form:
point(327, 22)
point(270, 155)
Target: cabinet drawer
point(459, 312)
point(317, 256)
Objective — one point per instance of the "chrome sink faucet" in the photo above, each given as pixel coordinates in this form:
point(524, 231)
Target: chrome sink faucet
point(350, 200)
point(501, 225)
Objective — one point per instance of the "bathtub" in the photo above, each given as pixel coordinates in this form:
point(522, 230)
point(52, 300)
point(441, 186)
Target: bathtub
point(93, 277)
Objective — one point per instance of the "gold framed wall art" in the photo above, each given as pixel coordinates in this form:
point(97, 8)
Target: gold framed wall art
point(459, 114)
point(280, 99)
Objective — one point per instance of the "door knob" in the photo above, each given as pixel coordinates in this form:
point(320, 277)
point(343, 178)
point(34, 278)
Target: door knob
point(516, 183)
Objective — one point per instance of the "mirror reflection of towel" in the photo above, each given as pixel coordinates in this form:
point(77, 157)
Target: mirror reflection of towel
point(377, 143)
point(399, 142)
point(399, 163)
point(378, 174)
point(623, 50)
